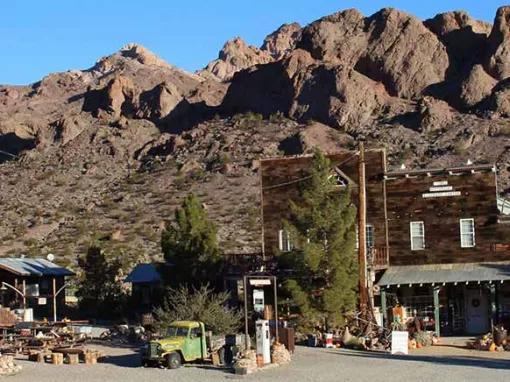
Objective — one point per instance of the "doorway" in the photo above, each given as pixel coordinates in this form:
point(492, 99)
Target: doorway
point(477, 311)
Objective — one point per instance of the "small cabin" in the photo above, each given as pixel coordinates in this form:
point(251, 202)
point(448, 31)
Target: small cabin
point(34, 283)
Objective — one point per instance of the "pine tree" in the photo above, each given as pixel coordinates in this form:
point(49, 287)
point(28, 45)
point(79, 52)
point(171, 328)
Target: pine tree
point(191, 246)
point(322, 228)
point(100, 291)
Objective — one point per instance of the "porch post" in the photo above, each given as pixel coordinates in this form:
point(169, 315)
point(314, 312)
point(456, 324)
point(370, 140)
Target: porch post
point(384, 308)
point(492, 289)
point(54, 300)
point(436, 310)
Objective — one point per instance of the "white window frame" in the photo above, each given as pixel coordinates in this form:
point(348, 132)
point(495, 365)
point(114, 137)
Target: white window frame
point(422, 236)
point(369, 236)
point(281, 241)
point(471, 233)
point(367, 228)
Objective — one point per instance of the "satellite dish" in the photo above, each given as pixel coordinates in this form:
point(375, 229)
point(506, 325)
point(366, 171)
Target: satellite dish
point(50, 257)
point(469, 162)
point(402, 166)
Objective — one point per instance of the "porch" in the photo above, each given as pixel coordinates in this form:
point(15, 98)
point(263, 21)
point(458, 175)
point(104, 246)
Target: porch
point(451, 299)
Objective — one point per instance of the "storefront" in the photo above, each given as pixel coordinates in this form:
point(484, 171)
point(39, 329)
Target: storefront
point(451, 299)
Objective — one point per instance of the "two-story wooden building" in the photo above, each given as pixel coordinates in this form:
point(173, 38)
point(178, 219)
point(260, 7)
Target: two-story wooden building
point(448, 262)
point(436, 239)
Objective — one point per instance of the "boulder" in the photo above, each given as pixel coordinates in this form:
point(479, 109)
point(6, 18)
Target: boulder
point(476, 87)
point(435, 114)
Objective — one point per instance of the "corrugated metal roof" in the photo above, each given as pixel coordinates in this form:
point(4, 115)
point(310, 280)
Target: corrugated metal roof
point(33, 267)
point(445, 273)
point(144, 273)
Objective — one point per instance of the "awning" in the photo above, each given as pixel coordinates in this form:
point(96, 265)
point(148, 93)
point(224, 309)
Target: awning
point(144, 274)
point(445, 273)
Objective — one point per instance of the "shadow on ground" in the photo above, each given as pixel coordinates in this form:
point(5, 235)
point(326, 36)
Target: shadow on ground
point(483, 362)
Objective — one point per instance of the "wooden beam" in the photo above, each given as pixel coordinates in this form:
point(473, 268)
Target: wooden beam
point(362, 247)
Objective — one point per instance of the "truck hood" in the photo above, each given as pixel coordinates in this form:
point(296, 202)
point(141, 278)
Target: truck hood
point(170, 343)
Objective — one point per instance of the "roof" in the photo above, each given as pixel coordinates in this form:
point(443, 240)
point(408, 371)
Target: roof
point(33, 267)
point(144, 273)
point(436, 171)
point(445, 273)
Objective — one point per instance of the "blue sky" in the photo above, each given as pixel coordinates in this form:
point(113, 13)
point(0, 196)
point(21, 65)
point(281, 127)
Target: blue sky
point(39, 37)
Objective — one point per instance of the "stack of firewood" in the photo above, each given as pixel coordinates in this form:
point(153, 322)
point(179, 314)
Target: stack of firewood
point(7, 365)
point(280, 355)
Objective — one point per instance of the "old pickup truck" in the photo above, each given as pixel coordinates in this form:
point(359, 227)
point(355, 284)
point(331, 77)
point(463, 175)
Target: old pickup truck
point(185, 341)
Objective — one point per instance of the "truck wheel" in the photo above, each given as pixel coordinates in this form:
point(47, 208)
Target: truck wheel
point(173, 360)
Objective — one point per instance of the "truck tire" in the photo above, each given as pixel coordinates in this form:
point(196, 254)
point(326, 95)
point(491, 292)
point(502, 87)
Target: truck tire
point(173, 360)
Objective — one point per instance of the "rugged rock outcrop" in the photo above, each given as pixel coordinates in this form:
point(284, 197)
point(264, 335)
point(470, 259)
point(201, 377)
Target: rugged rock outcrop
point(476, 87)
point(282, 41)
point(234, 56)
point(113, 148)
point(499, 45)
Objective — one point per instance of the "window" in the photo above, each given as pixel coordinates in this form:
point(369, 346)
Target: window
point(32, 290)
point(417, 236)
point(369, 238)
point(467, 233)
point(284, 241)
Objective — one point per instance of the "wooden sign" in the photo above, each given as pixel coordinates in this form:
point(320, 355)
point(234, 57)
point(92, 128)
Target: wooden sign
point(399, 342)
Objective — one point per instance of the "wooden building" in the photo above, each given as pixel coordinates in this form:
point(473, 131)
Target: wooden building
point(147, 286)
point(280, 178)
point(448, 258)
point(33, 284)
point(437, 239)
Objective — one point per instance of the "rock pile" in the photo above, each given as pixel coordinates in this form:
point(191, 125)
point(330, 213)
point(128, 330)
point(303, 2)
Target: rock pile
point(7, 365)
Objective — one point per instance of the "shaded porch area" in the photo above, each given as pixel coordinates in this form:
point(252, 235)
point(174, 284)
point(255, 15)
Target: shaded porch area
point(450, 299)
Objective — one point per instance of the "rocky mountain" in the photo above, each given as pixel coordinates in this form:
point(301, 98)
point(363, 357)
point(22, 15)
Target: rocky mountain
point(107, 153)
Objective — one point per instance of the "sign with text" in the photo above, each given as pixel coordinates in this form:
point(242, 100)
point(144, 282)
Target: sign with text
point(399, 342)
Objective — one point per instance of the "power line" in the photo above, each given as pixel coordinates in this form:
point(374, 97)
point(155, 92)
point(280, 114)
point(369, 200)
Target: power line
point(308, 176)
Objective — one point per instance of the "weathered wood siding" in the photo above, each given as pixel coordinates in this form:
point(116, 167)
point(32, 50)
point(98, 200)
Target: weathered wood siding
point(441, 215)
point(275, 200)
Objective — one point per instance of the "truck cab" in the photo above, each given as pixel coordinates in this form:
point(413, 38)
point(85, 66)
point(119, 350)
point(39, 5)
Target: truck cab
point(185, 341)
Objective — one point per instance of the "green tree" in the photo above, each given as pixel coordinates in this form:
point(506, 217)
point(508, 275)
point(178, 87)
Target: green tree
point(190, 244)
point(100, 291)
point(323, 232)
point(199, 304)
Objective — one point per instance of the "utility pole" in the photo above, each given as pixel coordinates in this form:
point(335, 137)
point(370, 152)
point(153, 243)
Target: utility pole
point(362, 243)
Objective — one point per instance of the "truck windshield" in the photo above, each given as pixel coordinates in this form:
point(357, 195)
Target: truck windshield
point(177, 331)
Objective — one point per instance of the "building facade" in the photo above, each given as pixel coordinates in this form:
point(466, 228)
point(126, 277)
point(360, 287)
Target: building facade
point(448, 258)
point(437, 239)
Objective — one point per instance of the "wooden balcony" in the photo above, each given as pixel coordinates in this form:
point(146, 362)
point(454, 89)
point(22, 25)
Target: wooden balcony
point(378, 258)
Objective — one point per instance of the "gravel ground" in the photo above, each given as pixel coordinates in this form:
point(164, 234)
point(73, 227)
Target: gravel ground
point(437, 364)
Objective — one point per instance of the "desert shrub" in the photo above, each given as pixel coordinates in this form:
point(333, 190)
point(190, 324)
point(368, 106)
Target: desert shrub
point(199, 304)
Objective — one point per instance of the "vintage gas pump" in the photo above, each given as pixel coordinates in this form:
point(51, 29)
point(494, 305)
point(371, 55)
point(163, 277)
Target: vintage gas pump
point(263, 340)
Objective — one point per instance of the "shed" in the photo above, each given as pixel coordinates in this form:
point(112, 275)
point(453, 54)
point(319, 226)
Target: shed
point(34, 283)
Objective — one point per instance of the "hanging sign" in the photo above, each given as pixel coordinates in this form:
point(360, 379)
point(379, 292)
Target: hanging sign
point(259, 282)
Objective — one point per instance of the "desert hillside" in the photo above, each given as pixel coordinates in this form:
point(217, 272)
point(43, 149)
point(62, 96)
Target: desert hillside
point(108, 152)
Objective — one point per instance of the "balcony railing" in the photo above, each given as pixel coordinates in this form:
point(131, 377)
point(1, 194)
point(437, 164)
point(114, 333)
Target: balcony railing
point(378, 258)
